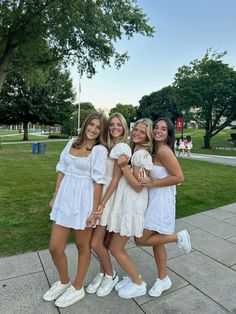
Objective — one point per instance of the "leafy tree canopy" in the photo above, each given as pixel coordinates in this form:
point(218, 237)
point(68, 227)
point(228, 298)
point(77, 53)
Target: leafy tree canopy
point(158, 104)
point(47, 103)
point(76, 31)
point(209, 85)
point(128, 111)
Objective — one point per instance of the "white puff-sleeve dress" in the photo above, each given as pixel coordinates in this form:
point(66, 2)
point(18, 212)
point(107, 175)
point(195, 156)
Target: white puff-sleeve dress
point(127, 215)
point(74, 200)
point(160, 214)
point(118, 150)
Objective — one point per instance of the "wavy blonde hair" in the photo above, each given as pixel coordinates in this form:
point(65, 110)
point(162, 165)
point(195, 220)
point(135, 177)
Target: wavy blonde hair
point(124, 136)
point(148, 145)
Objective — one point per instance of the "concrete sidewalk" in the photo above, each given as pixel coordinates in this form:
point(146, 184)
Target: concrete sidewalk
point(204, 281)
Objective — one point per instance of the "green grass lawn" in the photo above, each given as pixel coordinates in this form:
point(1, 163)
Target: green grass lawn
point(27, 184)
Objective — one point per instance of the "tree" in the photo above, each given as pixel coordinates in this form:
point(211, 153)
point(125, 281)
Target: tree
point(209, 85)
point(47, 103)
point(77, 31)
point(158, 104)
point(128, 111)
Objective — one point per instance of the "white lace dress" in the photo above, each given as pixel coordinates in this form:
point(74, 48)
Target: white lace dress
point(127, 215)
point(160, 214)
point(118, 150)
point(74, 200)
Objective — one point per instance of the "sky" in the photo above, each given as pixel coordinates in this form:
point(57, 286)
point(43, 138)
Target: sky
point(184, 30)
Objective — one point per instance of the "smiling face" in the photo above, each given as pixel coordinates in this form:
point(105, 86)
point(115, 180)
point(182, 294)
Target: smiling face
point(93, 130)
point(139, 134)
point(115, 128)
point(160, 131)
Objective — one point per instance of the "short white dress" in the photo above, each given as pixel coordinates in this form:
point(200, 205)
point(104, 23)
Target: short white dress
point(74, 199)
point(118, 150)
point(127, 215)
point(160, 214)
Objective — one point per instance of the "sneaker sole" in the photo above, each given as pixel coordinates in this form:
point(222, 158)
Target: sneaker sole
point(115, 282)
point(188, 244)
point(159, 294)
point(133, 296)
point(55, 296)
point(70, 302)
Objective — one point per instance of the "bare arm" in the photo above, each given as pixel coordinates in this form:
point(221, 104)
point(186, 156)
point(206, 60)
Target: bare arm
point(113, 184)
point(170, 162)
point(57, 186)
point(131, 177)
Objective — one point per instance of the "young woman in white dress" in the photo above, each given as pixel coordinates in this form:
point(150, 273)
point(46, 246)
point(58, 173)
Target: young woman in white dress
point(106, 279)
point(81, 175)
point(159, 219)
point(130, 202)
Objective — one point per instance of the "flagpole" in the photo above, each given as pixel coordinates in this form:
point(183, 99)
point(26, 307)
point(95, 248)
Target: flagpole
point(79, 91)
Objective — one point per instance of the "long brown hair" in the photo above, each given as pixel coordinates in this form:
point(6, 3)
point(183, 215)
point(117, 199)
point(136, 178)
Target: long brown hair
point(170, 141)
point(82, 137)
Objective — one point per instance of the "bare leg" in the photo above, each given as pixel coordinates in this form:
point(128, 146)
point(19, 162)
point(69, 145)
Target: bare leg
point(82, 241)
point(98, 246)
point(152, 238)
point(57, 244)
point(161, 260)
point(117, 248)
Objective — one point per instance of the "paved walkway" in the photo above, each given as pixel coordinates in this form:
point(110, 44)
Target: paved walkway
point(204, 281)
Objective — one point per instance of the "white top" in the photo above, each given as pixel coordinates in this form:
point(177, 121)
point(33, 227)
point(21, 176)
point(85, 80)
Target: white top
point(118, 150)
point(127, 214)
point(74, 200)
point(160, 214)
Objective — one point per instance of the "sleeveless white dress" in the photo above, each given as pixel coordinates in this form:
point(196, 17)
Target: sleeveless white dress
point(127, 215)
point(118, 150)
point(74, 200)
point(160, 213)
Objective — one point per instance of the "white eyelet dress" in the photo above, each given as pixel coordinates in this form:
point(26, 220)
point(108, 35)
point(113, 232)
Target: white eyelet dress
point(74, 200)
point(127, 215)
point(117, 150)
point(160, 214)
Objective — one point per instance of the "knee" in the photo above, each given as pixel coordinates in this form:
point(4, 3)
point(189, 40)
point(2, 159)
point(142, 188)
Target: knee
point(94, 245)
point(115, 251)
point(139, 241)
point(55, 250)
point(83, 247)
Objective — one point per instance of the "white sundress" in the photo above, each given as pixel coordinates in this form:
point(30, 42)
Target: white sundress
point(118, 150)
point(160, 214)
point(74, 200)
point(127, 215)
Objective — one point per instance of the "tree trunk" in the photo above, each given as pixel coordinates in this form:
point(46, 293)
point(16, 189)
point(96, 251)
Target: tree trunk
point(26, 135)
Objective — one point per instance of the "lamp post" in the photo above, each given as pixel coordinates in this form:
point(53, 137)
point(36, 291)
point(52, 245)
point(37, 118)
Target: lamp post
point(182, 130)
point(79, 91)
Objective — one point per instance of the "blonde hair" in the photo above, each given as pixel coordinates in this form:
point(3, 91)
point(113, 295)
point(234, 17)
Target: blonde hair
point(124, 136)
point(82, 137)
point(148, 145)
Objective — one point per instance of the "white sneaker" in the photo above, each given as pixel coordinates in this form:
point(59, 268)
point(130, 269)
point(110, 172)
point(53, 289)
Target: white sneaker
point(70, 296)
point(122, 283)
point(184, 241)
point(55, 291)
point(131, 290)
point(95, 283)
point(160, 286)
point(107, 284)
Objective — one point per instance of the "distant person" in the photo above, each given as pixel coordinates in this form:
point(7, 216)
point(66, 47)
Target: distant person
point(181, 147)
point(189, 145)
point(159, 219)
point(81, 175)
